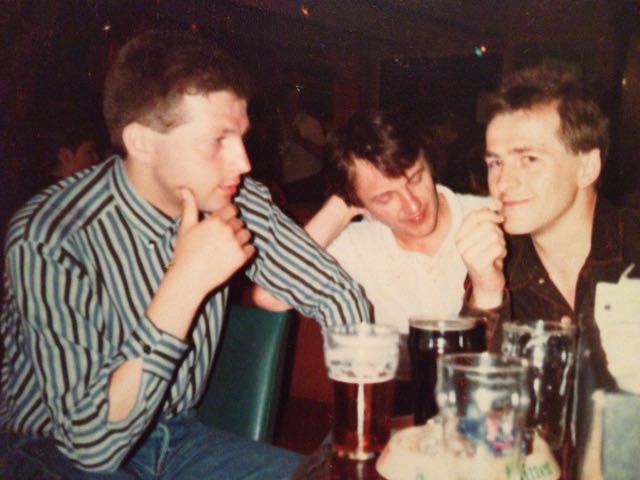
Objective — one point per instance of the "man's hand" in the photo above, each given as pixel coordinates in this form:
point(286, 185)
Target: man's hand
point(211, 250)
point(207, 253)
point(480, 241)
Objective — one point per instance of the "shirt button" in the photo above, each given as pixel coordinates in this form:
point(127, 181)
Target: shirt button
point(146, 349)
point(541, 281)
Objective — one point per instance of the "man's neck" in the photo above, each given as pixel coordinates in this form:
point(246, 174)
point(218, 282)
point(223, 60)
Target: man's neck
point(138, 175)
point(563, 248)
point(431, 243)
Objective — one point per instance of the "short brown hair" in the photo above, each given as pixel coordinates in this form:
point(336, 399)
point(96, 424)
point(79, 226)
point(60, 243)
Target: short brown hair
point(583, 126)
point(155, 69)
point(387, 140)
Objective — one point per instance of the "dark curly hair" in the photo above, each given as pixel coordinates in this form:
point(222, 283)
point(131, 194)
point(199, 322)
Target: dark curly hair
point(389, 141)
point(583, 125)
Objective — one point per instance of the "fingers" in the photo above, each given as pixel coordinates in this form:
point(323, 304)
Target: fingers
point(248, 250)
point(243, 236)
point(486, 238)
point(225, 213)
point(477, 218)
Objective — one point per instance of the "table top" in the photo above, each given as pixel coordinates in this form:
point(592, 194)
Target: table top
point(324, 465)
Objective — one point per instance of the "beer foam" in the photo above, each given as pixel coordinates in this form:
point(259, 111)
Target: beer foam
point(442, 325)
point(350, 365)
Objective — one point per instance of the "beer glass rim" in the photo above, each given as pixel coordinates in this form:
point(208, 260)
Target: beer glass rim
point(361, 334)
point(484, 362)
point(453, 324)
point(539, 325)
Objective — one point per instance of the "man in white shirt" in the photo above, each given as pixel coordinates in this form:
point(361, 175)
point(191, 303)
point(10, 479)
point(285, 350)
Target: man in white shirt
point(403, 251)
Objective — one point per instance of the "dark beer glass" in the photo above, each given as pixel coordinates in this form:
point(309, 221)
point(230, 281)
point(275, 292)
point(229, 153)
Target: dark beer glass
point(430, 339)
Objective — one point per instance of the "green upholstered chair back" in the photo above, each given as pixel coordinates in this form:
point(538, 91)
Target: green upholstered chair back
point(247, 377)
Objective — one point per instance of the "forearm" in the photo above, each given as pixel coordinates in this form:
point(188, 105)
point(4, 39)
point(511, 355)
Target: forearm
point(323, 228)
point(330, 220)
point(294, 269)
point(175, 302)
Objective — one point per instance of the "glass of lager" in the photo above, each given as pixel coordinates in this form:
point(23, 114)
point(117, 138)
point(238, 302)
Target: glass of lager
point(361, 362)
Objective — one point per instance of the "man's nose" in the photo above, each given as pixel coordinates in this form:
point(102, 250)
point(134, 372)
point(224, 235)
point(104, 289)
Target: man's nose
point(239, 159)
point(509, 177)
point(410, 203)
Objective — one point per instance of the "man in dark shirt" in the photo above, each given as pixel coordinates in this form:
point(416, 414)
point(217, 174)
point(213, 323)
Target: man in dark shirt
point(546, 142)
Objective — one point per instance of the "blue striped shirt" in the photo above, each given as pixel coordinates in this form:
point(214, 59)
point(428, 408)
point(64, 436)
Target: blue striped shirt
point(83, 260)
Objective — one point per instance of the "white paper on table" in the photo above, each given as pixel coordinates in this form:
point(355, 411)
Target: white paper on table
point(617, 314)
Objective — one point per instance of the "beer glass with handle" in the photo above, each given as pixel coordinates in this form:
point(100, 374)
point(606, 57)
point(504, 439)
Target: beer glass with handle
point(483, 399)
point(550, 348)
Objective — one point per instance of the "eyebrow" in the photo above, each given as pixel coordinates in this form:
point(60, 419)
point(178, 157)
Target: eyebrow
point(517, 150)
point(420, 169)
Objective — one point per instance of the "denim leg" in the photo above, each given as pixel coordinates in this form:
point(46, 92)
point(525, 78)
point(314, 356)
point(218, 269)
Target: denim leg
point(202, 453)
point(27, 458)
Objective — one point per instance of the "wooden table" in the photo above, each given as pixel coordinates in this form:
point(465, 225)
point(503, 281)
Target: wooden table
point(324, 465)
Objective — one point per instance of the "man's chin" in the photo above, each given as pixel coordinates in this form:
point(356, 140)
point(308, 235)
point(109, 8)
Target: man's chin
point(213, 205)
point(513, 228)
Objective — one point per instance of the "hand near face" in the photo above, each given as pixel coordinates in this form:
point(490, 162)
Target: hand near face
point(480, 241)
point(213, 249)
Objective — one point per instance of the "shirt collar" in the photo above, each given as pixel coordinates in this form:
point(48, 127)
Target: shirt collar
point(607, 234)
point(140, 214)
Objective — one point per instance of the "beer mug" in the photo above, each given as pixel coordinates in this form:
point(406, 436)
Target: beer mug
point(361, 361)
point(483, 400)
point(550, 348)
point(430, 339)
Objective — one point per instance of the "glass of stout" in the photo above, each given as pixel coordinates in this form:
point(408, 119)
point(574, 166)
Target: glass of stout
point(428, 340)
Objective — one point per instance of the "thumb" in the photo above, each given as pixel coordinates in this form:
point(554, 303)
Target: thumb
point(189, 213)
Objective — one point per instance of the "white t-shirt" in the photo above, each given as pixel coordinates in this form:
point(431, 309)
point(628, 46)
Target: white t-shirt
point(402, 283)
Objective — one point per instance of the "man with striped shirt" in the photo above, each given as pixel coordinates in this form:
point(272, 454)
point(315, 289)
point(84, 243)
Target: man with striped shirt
point(116, 281)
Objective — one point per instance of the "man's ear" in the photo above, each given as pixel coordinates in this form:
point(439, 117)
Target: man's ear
point(590, 167)
point(138, 140)
point(65, 156)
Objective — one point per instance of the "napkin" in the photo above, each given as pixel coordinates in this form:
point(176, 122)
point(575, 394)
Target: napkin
point(617, 314)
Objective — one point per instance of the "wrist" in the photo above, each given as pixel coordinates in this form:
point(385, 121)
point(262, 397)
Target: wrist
point(340, 210)
point(175, 302)
point(486, 299)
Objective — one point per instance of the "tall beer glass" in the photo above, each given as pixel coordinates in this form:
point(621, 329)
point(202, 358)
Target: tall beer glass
point(361, 362)
point(550, 348)
point(430, 339)
point(483, 401)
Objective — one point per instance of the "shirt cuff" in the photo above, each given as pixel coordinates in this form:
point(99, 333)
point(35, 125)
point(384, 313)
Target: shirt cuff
point(160, 351)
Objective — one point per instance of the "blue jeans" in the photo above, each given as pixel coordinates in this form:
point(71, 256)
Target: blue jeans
point(178, 448)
